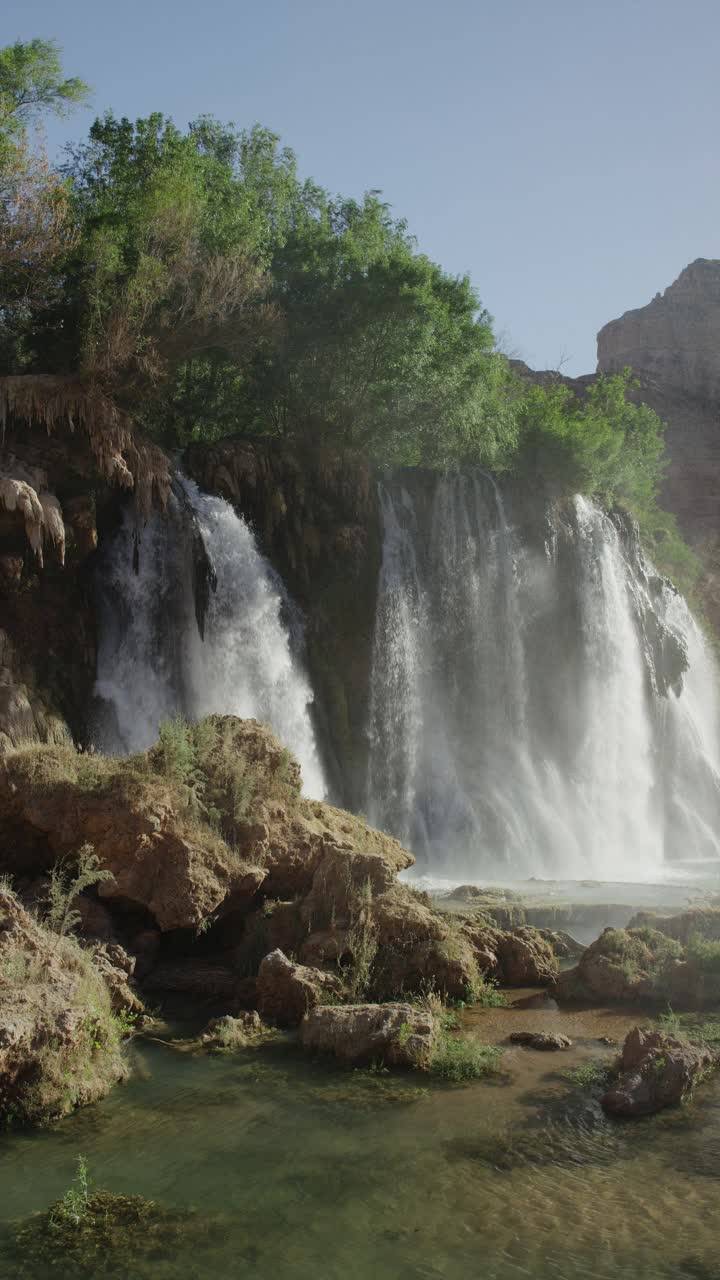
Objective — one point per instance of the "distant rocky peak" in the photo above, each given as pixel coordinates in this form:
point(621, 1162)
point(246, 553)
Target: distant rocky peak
point(674, 341)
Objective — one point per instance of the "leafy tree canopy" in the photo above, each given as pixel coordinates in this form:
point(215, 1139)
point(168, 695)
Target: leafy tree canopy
point(32, 84)
point(208, 289)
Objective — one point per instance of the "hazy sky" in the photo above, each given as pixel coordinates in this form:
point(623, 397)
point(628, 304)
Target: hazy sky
point(563, 152)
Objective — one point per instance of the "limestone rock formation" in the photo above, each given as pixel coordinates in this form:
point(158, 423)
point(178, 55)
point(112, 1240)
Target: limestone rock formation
point(398, 1035)
point(656, 1071)
point(59, 1047)
point(286, 991)
point(163, 856)
point(53, 801)
point(645, 964)
point(519, 957)
point(526, 959)
point(673, 346)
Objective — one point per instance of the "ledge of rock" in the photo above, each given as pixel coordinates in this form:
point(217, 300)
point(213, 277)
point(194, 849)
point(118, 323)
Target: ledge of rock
point(399, 1035)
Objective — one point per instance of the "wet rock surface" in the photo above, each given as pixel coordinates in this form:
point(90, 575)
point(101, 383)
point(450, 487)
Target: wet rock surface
point(547, 1040)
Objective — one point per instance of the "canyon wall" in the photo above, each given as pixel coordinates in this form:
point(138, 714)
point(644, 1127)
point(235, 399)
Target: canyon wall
point(673, 347)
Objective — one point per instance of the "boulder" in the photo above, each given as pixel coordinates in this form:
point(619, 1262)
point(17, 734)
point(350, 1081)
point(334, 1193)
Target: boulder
point(563, 945)
point(398, 1035)
point(230, 1032)
point(59, 1045)
point(540, 1040)
point(485, 940)
point(622, 964)
point(117, 969)
point(525, 959)
point(286, 991)
point(287, 834)
point(656, 1071)
point(419, 949)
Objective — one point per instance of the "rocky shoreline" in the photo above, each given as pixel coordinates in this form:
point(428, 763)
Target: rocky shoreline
point(213, 880)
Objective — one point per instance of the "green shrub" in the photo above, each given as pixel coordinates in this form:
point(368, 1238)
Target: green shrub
point(590, 1076)
point(704, 953)
point(463, 1057)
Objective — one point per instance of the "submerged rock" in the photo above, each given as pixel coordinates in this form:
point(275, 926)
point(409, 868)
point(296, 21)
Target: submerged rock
point(657, 1071)
point(286, 991)
point(100, 1233)
point(541, 1040)
point(398, 1035)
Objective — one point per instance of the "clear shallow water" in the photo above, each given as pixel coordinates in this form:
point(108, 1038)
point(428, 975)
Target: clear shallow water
point(316, 1172)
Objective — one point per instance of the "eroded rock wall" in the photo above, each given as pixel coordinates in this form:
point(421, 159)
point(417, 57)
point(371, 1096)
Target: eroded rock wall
point(673, 346)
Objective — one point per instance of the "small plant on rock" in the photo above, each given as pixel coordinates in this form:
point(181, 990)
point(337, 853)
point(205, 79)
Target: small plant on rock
point(64, 890)
point(73, 1209)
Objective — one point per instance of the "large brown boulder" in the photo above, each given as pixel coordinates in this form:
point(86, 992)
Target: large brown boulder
point(398, 1035)
point(59, 1044)
point(656, 1071)
point(526, 959)
point(287, 834)
point(162, 858)
point(631, 964)
point(419, 949)
point(286, 991)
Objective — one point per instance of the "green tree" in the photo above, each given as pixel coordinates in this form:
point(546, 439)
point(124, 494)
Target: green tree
point(381, 350)
point(32, 85)
point(36, 224)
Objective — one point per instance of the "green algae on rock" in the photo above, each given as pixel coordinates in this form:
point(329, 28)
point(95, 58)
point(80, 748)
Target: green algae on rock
point(117, 1236)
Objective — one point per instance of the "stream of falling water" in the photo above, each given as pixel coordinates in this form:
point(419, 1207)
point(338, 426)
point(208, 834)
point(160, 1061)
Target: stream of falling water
point(522, 720)
point(152, 662)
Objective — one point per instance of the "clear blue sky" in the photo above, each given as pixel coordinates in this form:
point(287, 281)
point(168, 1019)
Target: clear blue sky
point(563, 152)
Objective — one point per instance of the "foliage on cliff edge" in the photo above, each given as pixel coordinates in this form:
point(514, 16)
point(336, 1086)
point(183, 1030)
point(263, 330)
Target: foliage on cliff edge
point(199, 284)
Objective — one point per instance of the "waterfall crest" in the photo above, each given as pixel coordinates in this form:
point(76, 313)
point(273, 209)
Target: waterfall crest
point(152, 661)
point(536, 709)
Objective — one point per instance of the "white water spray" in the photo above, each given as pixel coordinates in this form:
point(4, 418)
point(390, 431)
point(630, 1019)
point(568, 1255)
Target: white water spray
point(152, 662)
point(521, 720)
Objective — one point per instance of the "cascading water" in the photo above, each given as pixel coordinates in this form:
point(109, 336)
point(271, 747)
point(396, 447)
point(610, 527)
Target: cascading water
point(152, 661)
point(536, 710)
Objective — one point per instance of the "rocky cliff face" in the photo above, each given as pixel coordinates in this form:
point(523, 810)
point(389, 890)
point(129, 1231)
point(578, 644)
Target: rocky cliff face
point(673, 346)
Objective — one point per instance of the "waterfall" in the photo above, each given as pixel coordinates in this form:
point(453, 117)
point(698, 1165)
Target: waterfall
point(536, 709)
point(152, 660)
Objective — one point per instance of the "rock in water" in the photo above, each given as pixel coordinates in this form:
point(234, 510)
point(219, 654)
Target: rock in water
point(526, 959)
point(541, 1040)
point(399, 1035)
point(286, 991)
point(657, 1071)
